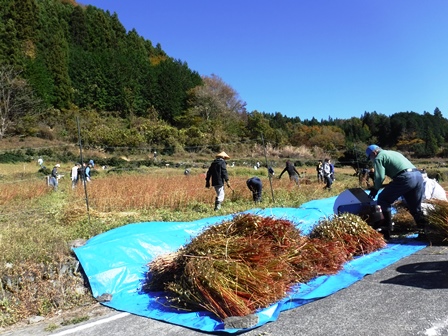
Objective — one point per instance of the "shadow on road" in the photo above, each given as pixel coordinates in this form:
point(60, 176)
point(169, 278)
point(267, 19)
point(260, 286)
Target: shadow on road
point(427, 275)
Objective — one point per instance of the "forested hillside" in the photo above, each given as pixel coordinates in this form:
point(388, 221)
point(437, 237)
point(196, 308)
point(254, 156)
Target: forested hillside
point(60, 60)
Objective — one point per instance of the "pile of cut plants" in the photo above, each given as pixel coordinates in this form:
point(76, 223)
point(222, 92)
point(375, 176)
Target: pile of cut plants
point(437, 214)
point(250, 262)
point(436, 229)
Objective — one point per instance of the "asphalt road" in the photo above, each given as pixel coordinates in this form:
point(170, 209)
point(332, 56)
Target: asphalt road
point(409, 297)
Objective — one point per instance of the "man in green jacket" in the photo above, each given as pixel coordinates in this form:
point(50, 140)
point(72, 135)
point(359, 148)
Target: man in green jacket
point(407, 182)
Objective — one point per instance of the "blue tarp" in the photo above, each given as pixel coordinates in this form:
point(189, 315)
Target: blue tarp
point(115, 262)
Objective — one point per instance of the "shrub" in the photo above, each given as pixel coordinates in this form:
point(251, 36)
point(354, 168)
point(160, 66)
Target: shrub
point(13, 157)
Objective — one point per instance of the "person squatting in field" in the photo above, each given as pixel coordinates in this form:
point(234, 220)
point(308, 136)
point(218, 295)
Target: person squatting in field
point(217, 173)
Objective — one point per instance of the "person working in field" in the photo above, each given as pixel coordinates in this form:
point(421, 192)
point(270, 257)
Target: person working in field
point(366, 175)
point(217, 175)
point(433, 191)
point(256, 187)
point(407, 181)
point(292, 172)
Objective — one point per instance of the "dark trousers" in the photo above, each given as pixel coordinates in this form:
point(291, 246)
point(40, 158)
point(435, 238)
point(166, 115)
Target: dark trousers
point(328, 181)
point(255, 185)
point(410, 186)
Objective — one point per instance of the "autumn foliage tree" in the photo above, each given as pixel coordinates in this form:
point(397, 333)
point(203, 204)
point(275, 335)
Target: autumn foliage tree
point(215, 107)
point(16, 98)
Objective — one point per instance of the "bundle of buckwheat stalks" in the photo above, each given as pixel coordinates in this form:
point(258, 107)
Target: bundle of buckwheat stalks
point(239, 266)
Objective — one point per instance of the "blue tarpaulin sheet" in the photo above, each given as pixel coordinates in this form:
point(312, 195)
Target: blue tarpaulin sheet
point(115, 262)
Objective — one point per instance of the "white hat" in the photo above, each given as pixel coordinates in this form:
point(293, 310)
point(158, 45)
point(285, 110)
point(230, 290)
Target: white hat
point(223, 155)
point(57, 165)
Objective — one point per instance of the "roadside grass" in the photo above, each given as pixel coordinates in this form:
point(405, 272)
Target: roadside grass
point(39, 274)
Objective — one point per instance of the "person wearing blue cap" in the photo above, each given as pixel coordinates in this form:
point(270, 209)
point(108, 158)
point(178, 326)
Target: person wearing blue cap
point(406, 181)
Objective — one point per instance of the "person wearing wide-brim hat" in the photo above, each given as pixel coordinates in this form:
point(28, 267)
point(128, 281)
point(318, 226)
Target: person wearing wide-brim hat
point(223, 155)
point(217, 173)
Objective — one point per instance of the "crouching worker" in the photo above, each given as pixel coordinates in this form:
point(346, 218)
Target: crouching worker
point(433, 191)
point(407, 181)
point(254, 184)
point(217, 173)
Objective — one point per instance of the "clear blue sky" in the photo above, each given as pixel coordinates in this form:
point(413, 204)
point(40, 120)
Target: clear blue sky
point(306, 58)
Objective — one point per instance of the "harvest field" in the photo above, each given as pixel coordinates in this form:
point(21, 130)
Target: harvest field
point(38, 225)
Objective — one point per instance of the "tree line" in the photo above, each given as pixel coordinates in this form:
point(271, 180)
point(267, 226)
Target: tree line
point(60, 60)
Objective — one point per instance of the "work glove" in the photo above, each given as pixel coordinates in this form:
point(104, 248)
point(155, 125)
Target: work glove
point(207, 184)
point(373, 193)
point(228, 185)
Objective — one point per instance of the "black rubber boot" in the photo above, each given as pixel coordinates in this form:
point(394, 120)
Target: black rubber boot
point(388, 223)
point(421, 220)
point(386, 226)
point(422, 225)
point(217, 205)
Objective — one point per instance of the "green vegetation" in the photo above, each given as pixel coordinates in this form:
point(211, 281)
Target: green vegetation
point(38, 226)
point(60, 63)
point(67, 60)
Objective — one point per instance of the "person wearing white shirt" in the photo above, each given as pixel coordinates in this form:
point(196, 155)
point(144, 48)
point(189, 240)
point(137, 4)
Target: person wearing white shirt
point(433, 190)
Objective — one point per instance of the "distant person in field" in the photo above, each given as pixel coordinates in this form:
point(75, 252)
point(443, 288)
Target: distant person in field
point(87, 172)
point(292, 172)
point(256, 187)
point(327, 174)
point(333, 177)
point(320, 171)
point(217, 175)
point(74, 174)
point(366, 175)
point(54, 177)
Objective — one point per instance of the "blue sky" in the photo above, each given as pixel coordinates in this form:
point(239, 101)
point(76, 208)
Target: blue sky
point(313, 58)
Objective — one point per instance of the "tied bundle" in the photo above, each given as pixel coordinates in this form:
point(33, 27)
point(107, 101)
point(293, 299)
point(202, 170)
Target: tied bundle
point(437, 215)
point(352, 232)
point(242, 265)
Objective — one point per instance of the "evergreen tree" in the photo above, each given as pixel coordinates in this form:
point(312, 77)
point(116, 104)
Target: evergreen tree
point(174, 79)
point(431, 147)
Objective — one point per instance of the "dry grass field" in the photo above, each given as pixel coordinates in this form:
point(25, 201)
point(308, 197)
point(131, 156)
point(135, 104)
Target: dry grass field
point(39, 225)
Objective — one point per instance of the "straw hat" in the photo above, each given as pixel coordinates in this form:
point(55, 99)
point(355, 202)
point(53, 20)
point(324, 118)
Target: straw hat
point(223, 155)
